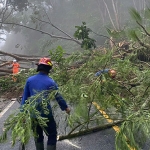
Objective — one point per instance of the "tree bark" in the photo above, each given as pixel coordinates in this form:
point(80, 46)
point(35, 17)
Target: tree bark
point(6, 70)
point(88, 131)
point(18, 57)
point(4, 64)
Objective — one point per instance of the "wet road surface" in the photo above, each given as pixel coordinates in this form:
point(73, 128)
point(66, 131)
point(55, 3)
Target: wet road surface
point(102, 140)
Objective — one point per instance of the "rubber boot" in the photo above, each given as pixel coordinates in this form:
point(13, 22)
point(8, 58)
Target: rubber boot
point(51, 147)
point(39, 146)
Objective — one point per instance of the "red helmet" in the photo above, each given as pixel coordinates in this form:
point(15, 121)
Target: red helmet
point(45, 61)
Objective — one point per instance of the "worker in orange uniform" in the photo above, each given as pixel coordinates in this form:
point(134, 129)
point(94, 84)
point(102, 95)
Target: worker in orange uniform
point(15, 67)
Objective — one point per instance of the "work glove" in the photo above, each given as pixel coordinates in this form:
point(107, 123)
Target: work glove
point(68, 111)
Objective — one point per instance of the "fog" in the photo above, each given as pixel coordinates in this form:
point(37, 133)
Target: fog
point(66, 14)
point(15, 43)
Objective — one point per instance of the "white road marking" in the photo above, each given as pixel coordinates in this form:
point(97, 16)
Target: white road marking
point(68, 142)
point(8, 106)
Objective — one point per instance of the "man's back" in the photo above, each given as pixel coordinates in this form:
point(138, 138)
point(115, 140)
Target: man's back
point(40, 82)
point(37, 84)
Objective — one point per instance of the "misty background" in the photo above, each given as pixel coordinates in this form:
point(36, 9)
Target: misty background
point(65, 14)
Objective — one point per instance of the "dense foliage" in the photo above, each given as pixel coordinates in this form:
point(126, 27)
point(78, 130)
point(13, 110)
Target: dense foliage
point(127, 94)
point(125, 97)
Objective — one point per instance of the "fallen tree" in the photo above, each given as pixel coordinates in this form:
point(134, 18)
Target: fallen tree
point(24, 60)
point(20, 57)
point(6, 70)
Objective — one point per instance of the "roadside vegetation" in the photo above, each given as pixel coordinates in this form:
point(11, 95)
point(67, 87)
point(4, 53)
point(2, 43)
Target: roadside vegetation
point(127, 94)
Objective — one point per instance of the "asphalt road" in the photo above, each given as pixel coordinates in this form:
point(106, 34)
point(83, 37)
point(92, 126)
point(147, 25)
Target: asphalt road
point(102, 140)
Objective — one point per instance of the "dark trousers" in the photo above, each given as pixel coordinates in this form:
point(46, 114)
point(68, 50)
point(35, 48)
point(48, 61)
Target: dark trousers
point(50, 131)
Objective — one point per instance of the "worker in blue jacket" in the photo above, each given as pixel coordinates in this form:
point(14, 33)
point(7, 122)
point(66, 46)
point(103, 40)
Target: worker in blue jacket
point(38, 83)
point(111, 72)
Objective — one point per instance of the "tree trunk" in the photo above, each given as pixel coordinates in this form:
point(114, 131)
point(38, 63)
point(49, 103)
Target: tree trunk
point(88, 131)
point(6, 70)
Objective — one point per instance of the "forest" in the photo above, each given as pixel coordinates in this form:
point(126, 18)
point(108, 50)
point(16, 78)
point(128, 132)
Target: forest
point(81, 37)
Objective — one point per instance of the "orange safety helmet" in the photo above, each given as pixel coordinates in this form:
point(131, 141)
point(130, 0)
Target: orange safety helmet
point(45, 61)
point(112, 73)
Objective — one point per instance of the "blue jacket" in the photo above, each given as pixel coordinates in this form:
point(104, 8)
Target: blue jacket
point(38, 83)
point(101, 71)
